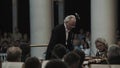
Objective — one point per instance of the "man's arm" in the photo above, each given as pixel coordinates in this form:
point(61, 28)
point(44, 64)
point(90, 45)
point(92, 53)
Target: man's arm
point(53, 41)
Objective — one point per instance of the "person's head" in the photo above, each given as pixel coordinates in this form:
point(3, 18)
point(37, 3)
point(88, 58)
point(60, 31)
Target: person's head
point(81, 54)
point(76, 42)
point(114, 54)
point(82, 41)
point(72, 59)
point(17, 43)
point(32, 62)
point(70, 21)
point(14, 54)
point(86, 45)
point(81, 31)
point(87, 34)
point(56, 64)
point(5, 44)
point(101, 44)
point(59, 51)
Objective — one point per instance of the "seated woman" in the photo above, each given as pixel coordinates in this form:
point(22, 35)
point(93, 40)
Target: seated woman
point(86, 49)
point(58, 51)
point(113, 56)
point(102, 47)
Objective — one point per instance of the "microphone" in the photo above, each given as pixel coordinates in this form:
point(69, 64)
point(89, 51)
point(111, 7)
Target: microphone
point(77, 15)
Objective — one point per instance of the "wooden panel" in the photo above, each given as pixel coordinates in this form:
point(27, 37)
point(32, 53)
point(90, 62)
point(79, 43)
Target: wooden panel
point(12, 64)
point(104, 66)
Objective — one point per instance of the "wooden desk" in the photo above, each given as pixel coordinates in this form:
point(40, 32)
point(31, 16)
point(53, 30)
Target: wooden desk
point(104, 66)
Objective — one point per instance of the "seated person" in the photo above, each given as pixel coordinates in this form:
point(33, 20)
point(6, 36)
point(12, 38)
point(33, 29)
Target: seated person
point(32, 62)
point(13, 58)
point(102, 47)
point(72, 59)
point(14, 54)
point(55, 63)
point(58, 51)
point(86, 49)
point(82, 57)
point(114, 55)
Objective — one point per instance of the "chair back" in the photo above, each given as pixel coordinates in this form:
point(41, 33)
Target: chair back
point(3, 57)
point(12, 64)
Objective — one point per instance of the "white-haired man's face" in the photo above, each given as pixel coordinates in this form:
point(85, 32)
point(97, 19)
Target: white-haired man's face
point(71, 23)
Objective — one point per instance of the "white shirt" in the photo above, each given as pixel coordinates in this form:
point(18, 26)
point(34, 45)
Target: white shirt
point(67, 32)
point(86, 51)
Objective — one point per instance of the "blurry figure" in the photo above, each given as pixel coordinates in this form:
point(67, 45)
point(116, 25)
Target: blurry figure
point(17, 35)
point(0, 36)
point(4, 46)
point(76, 44)
point(88, 37)
point(82, 42)
point(17, 43)
point(25, 39)
point(118, 42)
point(81, 34)
point(5, 37)
point(117, 34)
point(86, 49)
point(25, 51)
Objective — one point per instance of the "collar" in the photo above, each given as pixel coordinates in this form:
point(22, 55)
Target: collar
point(66, 28)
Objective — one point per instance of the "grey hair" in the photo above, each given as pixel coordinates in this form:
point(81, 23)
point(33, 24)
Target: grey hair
point(69, 17)
point(114, 51)
point(14, 54)
point(102, 40)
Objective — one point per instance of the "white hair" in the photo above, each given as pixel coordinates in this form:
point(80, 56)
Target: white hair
point(69, 17)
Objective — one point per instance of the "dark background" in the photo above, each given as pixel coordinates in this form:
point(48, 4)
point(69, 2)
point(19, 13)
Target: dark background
point(82, 7)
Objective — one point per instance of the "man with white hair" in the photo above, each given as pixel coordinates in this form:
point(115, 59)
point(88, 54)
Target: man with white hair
point(62, 34)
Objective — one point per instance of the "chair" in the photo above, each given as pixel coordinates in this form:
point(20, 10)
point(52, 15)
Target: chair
point(3, 57)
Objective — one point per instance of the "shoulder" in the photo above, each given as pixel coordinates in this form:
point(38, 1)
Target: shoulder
point(59, 27)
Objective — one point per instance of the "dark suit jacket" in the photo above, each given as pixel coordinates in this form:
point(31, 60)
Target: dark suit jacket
point(58, 36)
